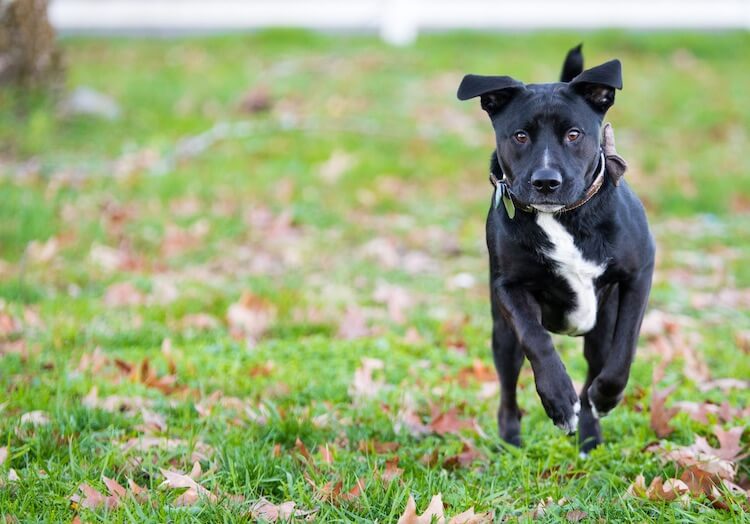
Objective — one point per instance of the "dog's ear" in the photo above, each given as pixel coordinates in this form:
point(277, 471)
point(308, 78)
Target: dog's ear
point(597, 85)
point(573, 65)
point(495, 91)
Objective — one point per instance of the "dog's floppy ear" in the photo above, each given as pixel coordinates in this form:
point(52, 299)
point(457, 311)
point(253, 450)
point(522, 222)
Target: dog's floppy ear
point(597, 85)
point(495, 91)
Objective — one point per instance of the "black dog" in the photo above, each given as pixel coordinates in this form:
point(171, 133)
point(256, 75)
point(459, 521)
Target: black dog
point(569, 245)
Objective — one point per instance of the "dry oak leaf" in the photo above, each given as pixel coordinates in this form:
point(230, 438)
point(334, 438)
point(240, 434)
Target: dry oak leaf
point(265, 510)
point(94, 499)
point(669, 490)
point(661, 415)
point(468, 455)
point(333, 492)
point(194, 491)
point(576, 515)
point(353, 324)
point(435, 512)
point(448, 422)
point(35, 418)
point(391, 471)
point(123, 294)
point(364, 385)
point(250, 317)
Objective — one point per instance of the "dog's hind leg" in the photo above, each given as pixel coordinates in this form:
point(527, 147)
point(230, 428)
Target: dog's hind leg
point(508, 356)
point(596, 344)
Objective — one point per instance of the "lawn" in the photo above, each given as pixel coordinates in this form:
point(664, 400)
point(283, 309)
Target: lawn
point(273, 265)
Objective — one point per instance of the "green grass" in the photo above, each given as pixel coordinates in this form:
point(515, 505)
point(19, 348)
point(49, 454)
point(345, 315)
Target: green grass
point(418, 182)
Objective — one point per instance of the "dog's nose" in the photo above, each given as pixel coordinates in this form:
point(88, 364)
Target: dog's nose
point(546, 180)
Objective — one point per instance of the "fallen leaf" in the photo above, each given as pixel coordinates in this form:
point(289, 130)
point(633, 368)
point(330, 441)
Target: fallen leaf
point(256, 100)
point(391, 471)
point(250, 317)
point(724, 384)
point(93, 499)
point(374, 446)
point(123, 294)
point(363, 385)
point(661, 415)
point(194, 491)
point(447, 422)
point(3, 454)
point(477, 372)
point(397, 300)
point(434, 510)
point(263, 509)
point(353, 324)
point(35, 418)
point(326, 453)
point(468, 455)
point(671, 489)
point(202, 321)
point(337, 165)
point(576, 515)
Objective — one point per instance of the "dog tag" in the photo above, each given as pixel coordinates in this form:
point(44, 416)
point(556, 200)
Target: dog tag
point(501, 193)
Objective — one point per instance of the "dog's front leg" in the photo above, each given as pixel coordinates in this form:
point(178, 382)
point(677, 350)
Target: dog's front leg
point(607, 388)
point(553, 384)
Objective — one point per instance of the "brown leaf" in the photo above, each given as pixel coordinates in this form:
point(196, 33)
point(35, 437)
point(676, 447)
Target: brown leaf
point(123, 294)
point(576, 515)
point(724, 384)
point(669, 490)
point(468, 455)
point(250, 317)
point(730, 447)
point(397, 300)
point(194, 491)
point(363, 385)
point(338, 164)
point(200, 321)
point(477, 372)
point(469, 517)
point(300, 447)
point(435, 510)
point(35, 418)
point(114, 487)
point(661, 415)
point(93, 499)
point(391, 471)
point(263, 509)
point(256, 100)
point(326, 453)
point(353, 324)
point(447, 422)
point(374, 446)
point(742, 339)
point(3, 454)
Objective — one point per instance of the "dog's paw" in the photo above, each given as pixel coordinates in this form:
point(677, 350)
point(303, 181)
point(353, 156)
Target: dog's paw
point(559, 398)
point(570, 425)
point(601, 404)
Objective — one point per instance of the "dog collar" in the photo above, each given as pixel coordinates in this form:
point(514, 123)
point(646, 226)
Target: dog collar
point(503, 193)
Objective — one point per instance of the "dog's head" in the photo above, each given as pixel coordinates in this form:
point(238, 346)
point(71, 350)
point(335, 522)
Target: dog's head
point(548, 136)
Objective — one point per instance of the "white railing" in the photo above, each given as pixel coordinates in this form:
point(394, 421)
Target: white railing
point(398, 21)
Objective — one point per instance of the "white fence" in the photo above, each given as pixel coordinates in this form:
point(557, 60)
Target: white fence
point(398, 21)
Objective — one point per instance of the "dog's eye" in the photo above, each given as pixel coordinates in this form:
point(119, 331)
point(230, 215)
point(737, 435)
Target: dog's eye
point(573, 135)
point(521, 137)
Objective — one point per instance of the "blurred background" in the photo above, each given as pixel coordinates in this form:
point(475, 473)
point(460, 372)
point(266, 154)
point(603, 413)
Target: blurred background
point(279, 188)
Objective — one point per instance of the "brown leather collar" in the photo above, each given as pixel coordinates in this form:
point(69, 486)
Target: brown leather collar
point(593, 189)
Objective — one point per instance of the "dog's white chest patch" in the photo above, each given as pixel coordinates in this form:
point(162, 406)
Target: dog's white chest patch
point(578, 272)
